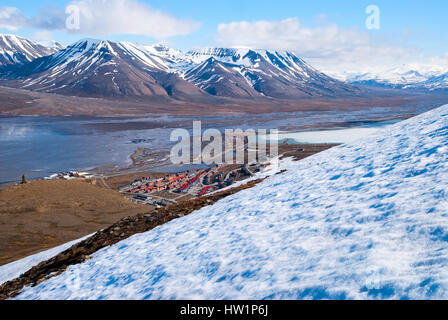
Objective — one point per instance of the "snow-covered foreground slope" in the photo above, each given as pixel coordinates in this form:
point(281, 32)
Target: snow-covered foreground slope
point(15, 269)
point(364, 220)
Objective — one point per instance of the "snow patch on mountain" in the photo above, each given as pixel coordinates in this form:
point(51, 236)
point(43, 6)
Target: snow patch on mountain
point(18, 50)
point(81, 65)
point(405, 77)
point(259, 73)
point(392, 79)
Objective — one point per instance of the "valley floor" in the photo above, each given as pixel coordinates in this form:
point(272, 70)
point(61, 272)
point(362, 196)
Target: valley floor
point(17, 102)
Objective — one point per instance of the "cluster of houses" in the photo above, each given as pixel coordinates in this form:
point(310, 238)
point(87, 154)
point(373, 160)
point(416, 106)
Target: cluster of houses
point(178, 183)
point(147, 185)
point(204, 181)
point(71, 175)
point(205, 190)
point(146, 199)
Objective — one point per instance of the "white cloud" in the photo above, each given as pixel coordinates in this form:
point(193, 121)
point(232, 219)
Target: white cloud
point(328, 47)
point(11, 18)
point(103, 18)
point(44, 37)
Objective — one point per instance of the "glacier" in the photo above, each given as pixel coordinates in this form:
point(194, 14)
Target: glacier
point(365, 220)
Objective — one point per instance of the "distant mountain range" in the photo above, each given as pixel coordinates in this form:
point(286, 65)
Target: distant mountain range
point(109, 69)
point(402, 79)
point(97, 68)
point(251, 73)
point(100, 69)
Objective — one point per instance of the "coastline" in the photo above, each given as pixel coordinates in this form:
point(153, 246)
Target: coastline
point(106, 145)
point(149, 155)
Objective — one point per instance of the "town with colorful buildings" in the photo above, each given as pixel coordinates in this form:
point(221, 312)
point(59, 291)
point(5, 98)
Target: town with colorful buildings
point(193, 183)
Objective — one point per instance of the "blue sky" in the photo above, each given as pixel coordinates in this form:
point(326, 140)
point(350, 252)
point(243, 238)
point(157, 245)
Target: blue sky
point(410, 30)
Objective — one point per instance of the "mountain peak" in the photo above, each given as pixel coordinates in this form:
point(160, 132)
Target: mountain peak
point(56, 45)
point(12, 36)
point(89, 43)
point(101, 67)
point(255, 73)
point(17, 50)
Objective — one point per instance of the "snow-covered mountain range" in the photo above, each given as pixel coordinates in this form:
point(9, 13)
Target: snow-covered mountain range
point(365, 220)
point(18, 50)
point(97, 68)
point(431, 79)
point(108, 68)
point(260, 72)
point(100, 68)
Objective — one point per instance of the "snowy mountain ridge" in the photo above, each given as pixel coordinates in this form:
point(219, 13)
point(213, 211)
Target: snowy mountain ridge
point(365, 220)
point(259, 73)
point(427, 78)
point(240, 73)
point(91, 67)
point(18, 50)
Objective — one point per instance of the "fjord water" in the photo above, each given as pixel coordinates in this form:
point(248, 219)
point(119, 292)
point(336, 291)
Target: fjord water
point(41, 146)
